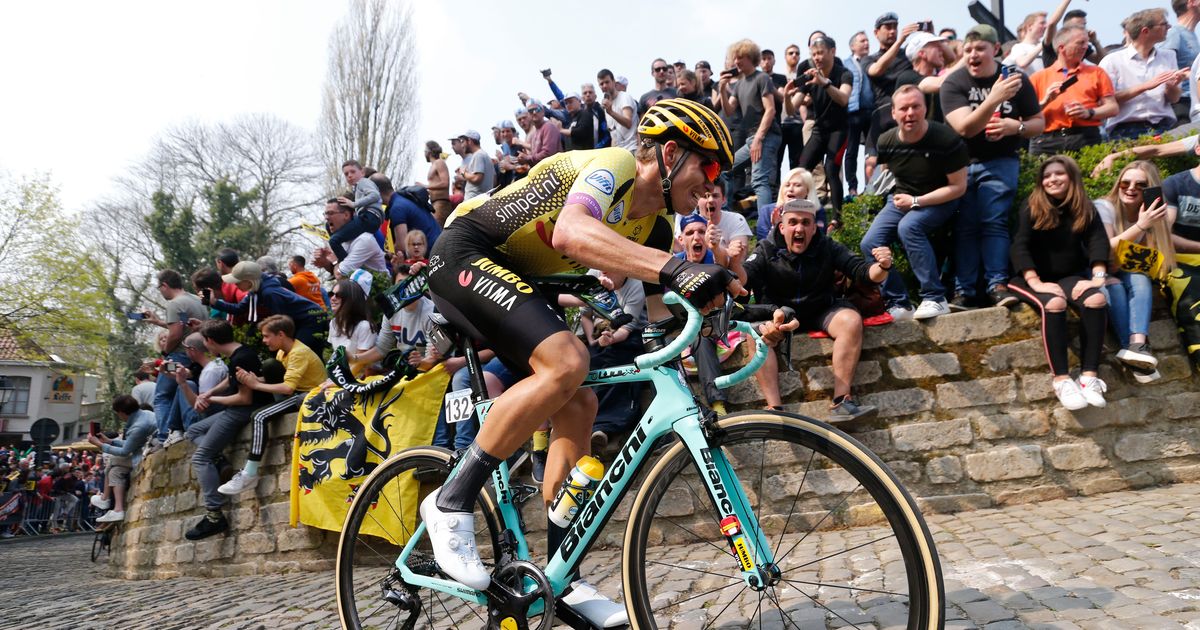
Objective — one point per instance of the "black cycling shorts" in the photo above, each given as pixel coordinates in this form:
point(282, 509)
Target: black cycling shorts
point(478, 291)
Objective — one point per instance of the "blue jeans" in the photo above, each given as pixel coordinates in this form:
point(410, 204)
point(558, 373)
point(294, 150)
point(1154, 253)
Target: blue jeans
point(364, 222)
point(1129, 303)
point(164, 396)
point(981, 229)
point(760, 172)
point(462, 434)
point(912, 228)
point(1135, 130)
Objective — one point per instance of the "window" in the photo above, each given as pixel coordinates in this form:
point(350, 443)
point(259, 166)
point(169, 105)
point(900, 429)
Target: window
point(14, 394)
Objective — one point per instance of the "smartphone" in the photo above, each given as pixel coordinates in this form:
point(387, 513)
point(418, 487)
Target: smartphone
point(1150, 194)
point(729, 72)
point(546, 73)
point(926, 26)
point(94, 428)
point(170, 366)
point(1004, 71)
point(1071, 80)
point(135, 316)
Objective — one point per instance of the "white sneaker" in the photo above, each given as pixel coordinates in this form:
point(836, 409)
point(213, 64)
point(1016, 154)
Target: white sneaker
point(600, 610)
point(1093, 390)
point(1145, 376)
point(174, 437)
point(99, 503)
point(111, 517)
point(1069, 394)
point(932, 308)
point(241, 481)
point(900, 314)
point(452, 536)
point(153, 445)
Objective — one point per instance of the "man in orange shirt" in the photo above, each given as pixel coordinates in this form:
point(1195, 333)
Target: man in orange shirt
point(305, 282)
point(1075, 97)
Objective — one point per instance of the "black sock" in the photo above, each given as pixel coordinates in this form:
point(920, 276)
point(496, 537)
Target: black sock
point(837, 400)
point(1091, 339)
point(1056, 341)
point(459, 494)
point(554, 538)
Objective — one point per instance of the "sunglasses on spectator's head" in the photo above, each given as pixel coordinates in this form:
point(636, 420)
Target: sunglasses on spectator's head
point(1125, 184)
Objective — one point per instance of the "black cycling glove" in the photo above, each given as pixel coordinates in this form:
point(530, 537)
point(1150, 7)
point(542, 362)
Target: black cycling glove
point(697, 283)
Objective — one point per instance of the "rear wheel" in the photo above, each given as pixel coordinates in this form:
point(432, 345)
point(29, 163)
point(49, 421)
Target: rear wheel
point(849, 544)
point(382, 518)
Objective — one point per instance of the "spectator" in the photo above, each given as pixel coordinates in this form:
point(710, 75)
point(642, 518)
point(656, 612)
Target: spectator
point(506, 156)
point(125, 454)
point(271, 268)
point(792, 125)
point(824, 89)
point(404, 213)
point(618, 404)
point(620, 110)
point(545, 140)
point(767, 64)
point(1182, 146)
point(1075, 97)
point(952, 41)
point(1145, 77)
point(1026, 54)
point(688, 86)
point(181, 307)
point(753, 97)
point(212, 434)
point(303, 372)
point(727, 234)
point(417, 246)
point(929, 162)
point(1059, 236)
point(361, 253)
point(305, 282)
point(366, 209)
point(407, 330)
point(143, 391)
point(1129, 294)
point(794, 267)
point(225, 261)
point(204, 373)
point(1181, 38)
point(585, 120)
point(659, 71)
point(858, 110)
point(797, 184)
point(264, 291)
point(350, 327)
point(603, 137)
point(927, 54)
point(438, 181)
point(704, 74)
point(885, 66)
point(476, 170)
point(1181, 192)
point(995, 115)
point(1093, 51)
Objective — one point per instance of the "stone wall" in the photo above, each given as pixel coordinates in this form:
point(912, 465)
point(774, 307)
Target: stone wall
point(967, 419)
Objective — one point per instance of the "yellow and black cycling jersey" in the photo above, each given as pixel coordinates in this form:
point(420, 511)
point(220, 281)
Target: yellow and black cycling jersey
point(519, 219)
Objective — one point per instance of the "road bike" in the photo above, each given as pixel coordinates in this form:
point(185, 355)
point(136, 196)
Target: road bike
point(755, 519)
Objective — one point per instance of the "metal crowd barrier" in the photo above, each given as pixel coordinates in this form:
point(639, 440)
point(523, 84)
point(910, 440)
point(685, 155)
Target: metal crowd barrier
point(35, 515)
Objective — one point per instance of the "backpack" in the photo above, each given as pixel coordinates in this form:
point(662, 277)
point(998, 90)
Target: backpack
point(418, 195)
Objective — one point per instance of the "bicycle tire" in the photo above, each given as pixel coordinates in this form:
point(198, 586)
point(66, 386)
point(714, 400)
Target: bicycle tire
point(351, 574)
point(97, 546)
point(653, 600)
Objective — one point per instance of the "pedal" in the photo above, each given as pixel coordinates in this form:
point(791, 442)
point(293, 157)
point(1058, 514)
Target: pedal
point(522, 492)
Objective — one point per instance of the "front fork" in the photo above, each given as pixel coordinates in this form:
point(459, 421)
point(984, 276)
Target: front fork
point(748, 544)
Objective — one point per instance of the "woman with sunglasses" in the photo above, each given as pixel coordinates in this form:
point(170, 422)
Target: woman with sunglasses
point(1128, 217)
point(1059, 239)
point(351, 326)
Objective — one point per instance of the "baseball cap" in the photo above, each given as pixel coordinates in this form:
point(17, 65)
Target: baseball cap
point(983, 32)
point(679, 62)
point(689, 219)
point(505, 124)
point(247, 271)
point(574, 95)
point(470, 134)
point(520, 112)
point(623, 81)
point(533, 102)
point(798, 205)
point(887, 18)
point(703, 64)
point(917, 41)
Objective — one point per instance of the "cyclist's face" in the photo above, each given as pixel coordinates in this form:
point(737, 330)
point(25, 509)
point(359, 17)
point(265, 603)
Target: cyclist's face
point(691, 183)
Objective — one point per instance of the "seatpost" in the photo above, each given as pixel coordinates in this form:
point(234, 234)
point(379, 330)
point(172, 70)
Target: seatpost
point(475, 370)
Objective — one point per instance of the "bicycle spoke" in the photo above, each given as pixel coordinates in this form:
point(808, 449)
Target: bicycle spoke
point(795, 499)
point(848, 588)
point(677, 566)
point(697, 537)
point(786, 619)
point(727, 605)
point(762, 457)
point(835, 613)
point(818, 524)
point(869, 542)
point(719, 588)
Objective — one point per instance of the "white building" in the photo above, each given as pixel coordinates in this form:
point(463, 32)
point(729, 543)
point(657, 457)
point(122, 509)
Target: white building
point(35, 384)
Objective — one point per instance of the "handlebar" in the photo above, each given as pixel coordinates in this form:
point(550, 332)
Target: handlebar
point(685, 338)
point(760, 357)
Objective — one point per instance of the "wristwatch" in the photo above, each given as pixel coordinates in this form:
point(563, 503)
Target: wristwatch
point(1021, 129)
point(916, 202)
point(1099, 275)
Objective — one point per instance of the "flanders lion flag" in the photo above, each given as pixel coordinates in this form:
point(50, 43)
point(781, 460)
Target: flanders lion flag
point(341, 437)
point(1183, 287)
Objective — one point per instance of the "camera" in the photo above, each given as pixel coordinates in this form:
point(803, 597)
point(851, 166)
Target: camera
point(546, 73)
point(170, 367)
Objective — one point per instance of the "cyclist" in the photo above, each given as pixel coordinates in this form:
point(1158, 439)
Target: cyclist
point(604, 209)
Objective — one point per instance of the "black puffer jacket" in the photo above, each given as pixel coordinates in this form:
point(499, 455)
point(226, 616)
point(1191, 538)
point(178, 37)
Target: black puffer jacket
point(801, 281)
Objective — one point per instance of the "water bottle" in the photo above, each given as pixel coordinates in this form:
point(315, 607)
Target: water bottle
point(576, 490)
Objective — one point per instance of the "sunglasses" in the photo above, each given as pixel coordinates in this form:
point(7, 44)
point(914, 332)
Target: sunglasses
point(660, 69)
point(335, 294)
point(1125, 184)
point(711, 168)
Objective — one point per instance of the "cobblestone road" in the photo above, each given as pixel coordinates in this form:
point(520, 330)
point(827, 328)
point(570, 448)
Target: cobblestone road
point(1120, 560)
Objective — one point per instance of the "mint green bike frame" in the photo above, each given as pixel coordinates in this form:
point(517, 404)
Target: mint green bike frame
point(673, 410)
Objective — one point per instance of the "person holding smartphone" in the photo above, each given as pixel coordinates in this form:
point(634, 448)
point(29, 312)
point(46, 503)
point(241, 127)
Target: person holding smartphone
point(181, 307)
point(125, 454)
point(1075, 97)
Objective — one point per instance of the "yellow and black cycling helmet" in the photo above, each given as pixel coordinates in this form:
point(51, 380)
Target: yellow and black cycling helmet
point(692, 125)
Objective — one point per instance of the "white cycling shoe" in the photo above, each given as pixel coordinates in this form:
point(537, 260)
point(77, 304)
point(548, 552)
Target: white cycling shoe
point(452, 536)
point(600, 610)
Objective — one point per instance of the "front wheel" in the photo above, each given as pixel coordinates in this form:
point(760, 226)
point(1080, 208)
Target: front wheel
point(849, 544)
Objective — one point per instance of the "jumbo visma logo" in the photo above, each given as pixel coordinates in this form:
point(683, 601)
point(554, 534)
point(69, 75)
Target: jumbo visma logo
point(504, 275)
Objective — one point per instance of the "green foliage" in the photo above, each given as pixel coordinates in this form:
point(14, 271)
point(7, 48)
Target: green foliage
point(1089, 157)
point(230, 221)
point(173, 227)
point(856, 220)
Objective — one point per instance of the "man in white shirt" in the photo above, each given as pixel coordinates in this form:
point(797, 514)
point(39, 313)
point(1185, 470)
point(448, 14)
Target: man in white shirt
point(728, 234)
point(620, 111)
point(363, 252)
point(1145, 77)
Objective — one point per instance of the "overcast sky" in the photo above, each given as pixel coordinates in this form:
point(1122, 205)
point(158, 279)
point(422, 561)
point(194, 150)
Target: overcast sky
point(89, 84)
